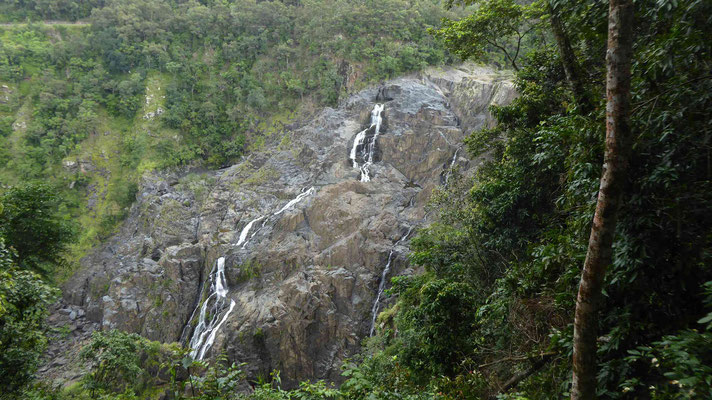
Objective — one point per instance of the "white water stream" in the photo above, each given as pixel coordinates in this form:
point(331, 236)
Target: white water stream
point(452, 165)
point(299, 198)
point(205, 331)
point(210, 320)
point(243, 235)
point(367, 143)
point(382, 284)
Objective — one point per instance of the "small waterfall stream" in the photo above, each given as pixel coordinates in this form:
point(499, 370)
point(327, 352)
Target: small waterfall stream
point(366, 141)
point(215, 305)
point(205, 331)
point(382, 284)
point(296, 200)
point(243, 234)
point(452, 165)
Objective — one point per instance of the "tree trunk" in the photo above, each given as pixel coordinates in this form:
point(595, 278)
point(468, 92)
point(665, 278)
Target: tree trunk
point(618, 143)
point(568, 59)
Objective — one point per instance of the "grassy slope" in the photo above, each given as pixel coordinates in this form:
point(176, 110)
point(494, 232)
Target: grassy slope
point(100, 176)
point(97, 177)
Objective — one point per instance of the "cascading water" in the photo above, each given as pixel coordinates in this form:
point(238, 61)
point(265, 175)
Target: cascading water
point(382, 284)
point(299, 198)
point(358, 141)
point(209, 324)
point(452, 165)
point(366, 140)
point(243, 234)
point(207, 328)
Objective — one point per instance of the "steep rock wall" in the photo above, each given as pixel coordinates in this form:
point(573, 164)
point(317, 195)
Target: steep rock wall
point(303, 280)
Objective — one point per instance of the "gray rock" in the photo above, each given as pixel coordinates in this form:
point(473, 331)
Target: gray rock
point(305, 279)
point(58, 362)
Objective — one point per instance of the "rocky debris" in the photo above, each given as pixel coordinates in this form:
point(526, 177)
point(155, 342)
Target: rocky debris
point(151, 114)
point(5, 93)
point(80, 166)
point(70, 165)
point(71, 330)
point(304, 279)
point(19, 125)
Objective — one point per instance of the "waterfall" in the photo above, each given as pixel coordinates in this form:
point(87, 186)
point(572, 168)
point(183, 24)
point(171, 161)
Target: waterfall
point(208, 324)
point(214, 332)
point(296, 200)
point(245, 231)
point(452, 165)
point(367, 143)
point(358, 141)
point(382, 285)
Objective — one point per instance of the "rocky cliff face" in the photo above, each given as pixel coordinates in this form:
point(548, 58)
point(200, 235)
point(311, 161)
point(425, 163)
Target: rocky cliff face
point(303, 279)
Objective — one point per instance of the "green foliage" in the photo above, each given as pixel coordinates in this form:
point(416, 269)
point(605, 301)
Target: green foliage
point(381, 376)
point(249, 270)
point(126, 366)
point(496, 25)
point(306, 391)
point(24, 299)
point(124, 97)
point(515, 235)
point(435, 324)
point(5, 126)
point(502, 263)
point(115, 358)
point(490, 26)
point(219, 380)
point(682, 362)
point(31, 223)
point(141, 85)
point(71, 10)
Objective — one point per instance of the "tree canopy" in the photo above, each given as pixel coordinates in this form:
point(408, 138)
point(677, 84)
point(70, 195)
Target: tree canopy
point(31, 223)
point(24, 299)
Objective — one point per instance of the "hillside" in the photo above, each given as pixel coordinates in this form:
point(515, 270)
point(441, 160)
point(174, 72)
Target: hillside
point(138, 86)
point(355, 200)
point(307, 243)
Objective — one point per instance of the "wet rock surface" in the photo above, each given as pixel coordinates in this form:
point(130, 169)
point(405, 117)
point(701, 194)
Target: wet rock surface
point(304, 280)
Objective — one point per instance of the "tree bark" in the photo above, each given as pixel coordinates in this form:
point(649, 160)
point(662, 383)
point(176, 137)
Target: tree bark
point(539, 361)
point(568, 59)
point(618, 143)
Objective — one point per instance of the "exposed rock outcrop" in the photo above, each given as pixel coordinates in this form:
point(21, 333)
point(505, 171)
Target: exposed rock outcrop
point(303, 280)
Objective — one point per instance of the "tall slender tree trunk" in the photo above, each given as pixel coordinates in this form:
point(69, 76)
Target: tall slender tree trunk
point(568, 59)
point(618, 144)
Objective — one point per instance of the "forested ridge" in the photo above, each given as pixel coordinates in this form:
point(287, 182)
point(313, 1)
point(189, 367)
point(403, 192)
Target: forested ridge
point(152, 85)
point(159, 84)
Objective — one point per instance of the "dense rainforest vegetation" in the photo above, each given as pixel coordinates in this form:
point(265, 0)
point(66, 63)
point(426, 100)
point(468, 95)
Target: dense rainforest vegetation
point(492, 316)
